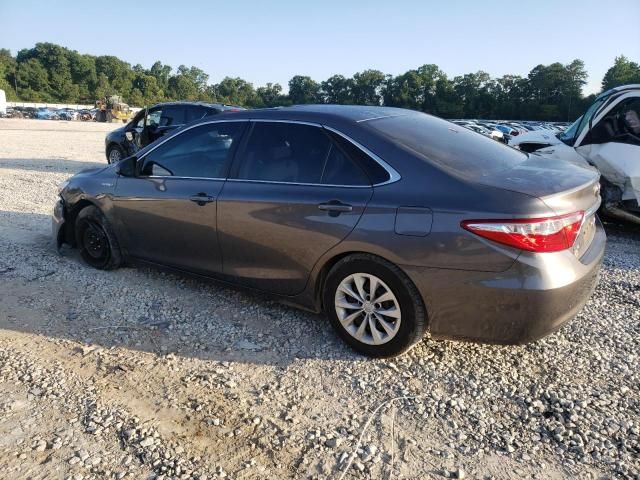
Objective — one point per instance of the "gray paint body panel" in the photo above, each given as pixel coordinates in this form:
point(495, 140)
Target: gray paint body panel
point(272, 237)
point(413, 221)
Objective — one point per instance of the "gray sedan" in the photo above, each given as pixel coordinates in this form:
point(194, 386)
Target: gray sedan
point(392, 222)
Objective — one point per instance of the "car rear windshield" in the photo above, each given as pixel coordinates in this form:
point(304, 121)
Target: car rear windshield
point(448, 145)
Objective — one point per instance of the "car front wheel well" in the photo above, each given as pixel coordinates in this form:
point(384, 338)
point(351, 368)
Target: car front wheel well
point(70, 220)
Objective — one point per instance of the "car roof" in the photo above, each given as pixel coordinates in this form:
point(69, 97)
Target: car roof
point(222, 106)
point(621, 88)
point(336, 116)
point(321, 113)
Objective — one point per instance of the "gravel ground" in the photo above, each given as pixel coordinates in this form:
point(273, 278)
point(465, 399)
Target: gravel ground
point(140, 374)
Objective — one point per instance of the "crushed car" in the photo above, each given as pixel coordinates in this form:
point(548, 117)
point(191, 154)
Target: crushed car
point(606, 137)
point(151, 123)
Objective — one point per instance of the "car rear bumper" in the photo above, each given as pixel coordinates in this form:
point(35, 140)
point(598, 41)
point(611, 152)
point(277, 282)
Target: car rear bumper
point(533, 298)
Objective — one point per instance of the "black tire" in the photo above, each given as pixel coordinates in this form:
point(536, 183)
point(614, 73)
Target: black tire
point(413, 324)
point(96, 241)
point(114, 154)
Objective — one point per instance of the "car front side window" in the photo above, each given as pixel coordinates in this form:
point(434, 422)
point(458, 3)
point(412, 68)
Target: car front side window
point(620, 125)
point(153, 118)
point(138, 120)
point(172, 116)
point(199, 152)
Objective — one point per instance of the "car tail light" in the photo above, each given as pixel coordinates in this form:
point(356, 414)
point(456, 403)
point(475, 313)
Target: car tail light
point(549, 234)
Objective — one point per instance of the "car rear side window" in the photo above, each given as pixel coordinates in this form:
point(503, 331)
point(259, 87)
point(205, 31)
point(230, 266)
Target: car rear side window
point(284, 152)
point(376, 172)
point(450, 146)
point(341, 170)
point(200, 152)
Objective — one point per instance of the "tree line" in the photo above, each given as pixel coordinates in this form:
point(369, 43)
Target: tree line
point(52, 73)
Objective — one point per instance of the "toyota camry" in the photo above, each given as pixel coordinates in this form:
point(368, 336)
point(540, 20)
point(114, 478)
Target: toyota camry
point(393, 223)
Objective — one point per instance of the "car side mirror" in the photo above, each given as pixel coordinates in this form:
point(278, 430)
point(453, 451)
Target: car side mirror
point(127, 167)
point(129, 136)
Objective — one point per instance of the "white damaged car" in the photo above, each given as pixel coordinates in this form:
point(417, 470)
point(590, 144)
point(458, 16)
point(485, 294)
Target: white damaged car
point(606, 137)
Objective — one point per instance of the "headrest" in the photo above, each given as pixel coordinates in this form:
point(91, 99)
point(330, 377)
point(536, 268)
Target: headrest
point(632, 120)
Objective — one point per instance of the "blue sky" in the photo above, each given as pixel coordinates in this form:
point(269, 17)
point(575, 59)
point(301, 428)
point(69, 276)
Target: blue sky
point(264, 41)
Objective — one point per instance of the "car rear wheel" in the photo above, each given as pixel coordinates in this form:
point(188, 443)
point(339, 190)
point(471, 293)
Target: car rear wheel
point(374, 306)
point(96, 241)
point(114, 154)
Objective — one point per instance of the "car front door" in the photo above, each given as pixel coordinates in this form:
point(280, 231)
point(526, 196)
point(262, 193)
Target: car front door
point(292, 195)
point(140, 131)
point(166, 214)
point(132, 141)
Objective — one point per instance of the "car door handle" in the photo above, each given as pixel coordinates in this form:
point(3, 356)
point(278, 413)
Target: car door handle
point(202, 199)
point(335, 207)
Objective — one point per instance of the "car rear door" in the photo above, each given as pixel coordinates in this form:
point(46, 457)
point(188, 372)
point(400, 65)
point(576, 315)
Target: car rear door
point(292, 195)
point(167, 213)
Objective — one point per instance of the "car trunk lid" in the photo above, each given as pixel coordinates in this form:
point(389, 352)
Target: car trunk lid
point(563, 187)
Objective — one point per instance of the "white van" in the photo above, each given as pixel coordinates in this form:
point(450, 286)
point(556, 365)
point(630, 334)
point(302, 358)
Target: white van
point(3, 103)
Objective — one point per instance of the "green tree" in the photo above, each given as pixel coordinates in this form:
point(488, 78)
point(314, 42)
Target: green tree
point(417, 89)
point(509, 92)
point(49, 72)
point(196, 75)
point(119, 74)
point(474, 90)
point(183, 87)
point(146, 90)
point(103, 87)
point(235, 91)
point(367, 87)
point(54, 59)
point(161, 73)
point(33, 81)
point(8, 67)
point(303, 90)
point(623, 72)
point(337, 89)
point(270, 95)
point(83, 75)
point(136, 98)
point(445, 100)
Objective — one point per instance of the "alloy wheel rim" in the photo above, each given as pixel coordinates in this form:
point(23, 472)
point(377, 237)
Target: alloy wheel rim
point(367, 309)
point(114, 155)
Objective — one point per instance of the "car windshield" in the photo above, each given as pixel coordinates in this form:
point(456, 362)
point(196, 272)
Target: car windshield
point(571, 134)
point(457, 149)
point(567, 136)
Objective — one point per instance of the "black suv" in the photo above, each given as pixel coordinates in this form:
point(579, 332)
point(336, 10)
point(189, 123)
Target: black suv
point(151, 123)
